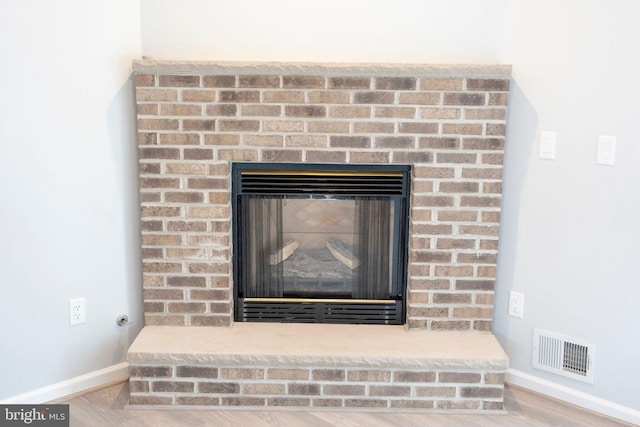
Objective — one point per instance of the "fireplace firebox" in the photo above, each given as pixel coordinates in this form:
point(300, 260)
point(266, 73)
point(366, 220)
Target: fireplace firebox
point(320, 243)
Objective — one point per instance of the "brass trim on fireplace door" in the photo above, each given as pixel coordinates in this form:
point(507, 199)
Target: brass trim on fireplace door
point(356, 301)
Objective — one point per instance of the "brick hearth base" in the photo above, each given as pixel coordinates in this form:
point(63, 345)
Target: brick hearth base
point(312, 365)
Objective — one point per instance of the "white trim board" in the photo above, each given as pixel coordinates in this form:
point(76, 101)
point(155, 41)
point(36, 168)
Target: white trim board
point(114, 373)
point(578, 398)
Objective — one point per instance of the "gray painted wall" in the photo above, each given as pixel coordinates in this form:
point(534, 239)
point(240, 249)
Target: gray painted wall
point(570, 238)
point(68, 188)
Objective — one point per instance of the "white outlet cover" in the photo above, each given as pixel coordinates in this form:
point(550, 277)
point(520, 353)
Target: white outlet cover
point(516, 304)
point(77, 313)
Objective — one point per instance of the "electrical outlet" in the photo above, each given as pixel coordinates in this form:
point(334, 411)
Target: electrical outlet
point(516, 304)
point(77, 314)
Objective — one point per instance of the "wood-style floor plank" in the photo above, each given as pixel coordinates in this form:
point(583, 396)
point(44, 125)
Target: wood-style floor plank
point(107, 407)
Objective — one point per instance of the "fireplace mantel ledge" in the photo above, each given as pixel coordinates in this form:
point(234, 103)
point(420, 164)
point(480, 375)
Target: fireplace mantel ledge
point(326, 69)
point(317, 345)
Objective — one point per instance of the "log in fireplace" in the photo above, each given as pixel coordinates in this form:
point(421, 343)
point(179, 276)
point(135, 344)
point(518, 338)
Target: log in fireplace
point(320, 243)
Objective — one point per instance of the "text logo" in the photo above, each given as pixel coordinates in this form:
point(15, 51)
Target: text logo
point(34, 415)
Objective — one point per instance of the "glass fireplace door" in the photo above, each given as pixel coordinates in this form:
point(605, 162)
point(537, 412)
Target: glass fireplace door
point(320, 243)
point(319, 247)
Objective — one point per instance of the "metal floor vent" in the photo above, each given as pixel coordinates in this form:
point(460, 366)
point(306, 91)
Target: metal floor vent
point(563, 355)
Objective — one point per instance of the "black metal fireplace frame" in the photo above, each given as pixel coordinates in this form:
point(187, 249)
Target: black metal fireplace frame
point(364, 179)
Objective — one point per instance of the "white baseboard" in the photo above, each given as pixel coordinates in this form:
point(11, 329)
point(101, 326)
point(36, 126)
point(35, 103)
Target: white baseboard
point(572, 396)
point(111, 374)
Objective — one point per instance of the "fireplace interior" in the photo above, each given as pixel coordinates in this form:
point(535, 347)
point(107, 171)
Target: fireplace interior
point(320, 243)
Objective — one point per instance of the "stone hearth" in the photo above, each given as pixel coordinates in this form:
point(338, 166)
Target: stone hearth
point(195, 119)
point(314, 365)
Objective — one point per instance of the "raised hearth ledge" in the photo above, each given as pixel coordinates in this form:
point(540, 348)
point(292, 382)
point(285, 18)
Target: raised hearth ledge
point(296, 344)
point(327, 69)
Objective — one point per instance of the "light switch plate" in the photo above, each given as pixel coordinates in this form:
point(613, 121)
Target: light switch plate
point(606, 154)
point(547, 148)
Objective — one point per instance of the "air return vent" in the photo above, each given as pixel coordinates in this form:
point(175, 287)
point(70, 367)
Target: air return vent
point(563, 355)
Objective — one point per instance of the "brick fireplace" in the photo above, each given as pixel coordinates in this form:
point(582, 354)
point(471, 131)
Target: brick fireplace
point(196, 119)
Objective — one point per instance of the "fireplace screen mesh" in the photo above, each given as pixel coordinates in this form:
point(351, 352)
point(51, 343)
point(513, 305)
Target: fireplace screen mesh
point(311, 235)
point(313, 248)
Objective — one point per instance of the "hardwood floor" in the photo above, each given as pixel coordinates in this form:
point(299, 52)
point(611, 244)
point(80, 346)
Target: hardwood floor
point(106, 407)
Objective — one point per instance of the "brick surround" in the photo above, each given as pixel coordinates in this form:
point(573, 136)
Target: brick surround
point(194, 119)
point(447, 122)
